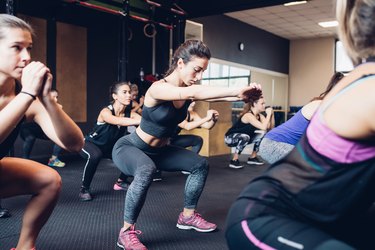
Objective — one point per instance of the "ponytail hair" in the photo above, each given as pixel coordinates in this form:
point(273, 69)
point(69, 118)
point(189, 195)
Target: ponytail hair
point(114, 89)
point(188, 50)
point(254, 96)
point(332, 83)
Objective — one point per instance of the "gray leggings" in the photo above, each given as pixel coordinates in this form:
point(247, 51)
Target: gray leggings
point(272, 151)
point(136, 158)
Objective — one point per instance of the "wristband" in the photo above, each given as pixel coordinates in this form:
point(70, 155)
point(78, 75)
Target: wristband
point(27, 93)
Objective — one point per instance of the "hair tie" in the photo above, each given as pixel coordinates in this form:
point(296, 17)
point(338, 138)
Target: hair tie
point(27, 93)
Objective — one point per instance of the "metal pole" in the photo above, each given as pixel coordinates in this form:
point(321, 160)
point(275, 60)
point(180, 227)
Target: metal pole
point(178, 32)
point(9, 7)
point(123, 44)
point(153, 54)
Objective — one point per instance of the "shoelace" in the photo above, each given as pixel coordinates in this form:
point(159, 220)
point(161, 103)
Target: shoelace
point(133, 236)
point(198, 218)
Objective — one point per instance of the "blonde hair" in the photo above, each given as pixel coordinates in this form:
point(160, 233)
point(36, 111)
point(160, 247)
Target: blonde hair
point(357, 28)
point(133, 87)
point(9, 21)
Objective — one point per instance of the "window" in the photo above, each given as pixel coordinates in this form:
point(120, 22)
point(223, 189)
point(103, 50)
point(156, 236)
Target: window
point(223, 75)
point(342, 60)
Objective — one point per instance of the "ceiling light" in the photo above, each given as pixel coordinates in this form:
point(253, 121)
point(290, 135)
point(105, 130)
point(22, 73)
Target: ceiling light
point(294, 3)
point(329, 24)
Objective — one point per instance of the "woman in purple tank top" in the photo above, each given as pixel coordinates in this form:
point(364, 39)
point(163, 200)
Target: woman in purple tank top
point(278, 142)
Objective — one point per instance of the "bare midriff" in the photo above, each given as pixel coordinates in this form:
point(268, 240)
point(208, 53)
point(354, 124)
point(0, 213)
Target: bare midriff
point(151, 140)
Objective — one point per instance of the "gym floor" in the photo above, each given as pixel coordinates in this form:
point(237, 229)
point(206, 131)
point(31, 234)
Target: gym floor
point(94, 225)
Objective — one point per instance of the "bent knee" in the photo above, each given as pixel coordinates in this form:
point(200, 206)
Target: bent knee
point(201, 165)
point(49, 180)
point(199, 140)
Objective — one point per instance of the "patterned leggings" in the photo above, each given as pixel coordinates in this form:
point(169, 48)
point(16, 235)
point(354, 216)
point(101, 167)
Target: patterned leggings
point(240, 141)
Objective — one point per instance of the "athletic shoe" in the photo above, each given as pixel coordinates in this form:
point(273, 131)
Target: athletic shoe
point(56, 163)
point(30, 249)
point(185, 172)
point(4, 213)
point(195, 222)
point(157, 176)
point(85, 194)
point(235, 164)
point(120, 185)
point(255, 161)
point(128, 239)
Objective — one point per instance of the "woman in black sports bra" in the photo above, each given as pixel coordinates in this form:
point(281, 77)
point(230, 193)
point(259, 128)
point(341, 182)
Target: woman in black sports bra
point(141, 153)
point(111, 124)
point(31, 101)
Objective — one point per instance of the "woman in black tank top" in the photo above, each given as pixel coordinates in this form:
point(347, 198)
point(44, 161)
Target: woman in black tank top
point(111, 124)
point(250, 128)
point(142, 153)
point(33, 103)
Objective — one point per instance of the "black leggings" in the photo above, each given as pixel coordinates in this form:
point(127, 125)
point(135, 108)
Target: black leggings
point(29, 133)
point(184, 141)
point(271, 229)
point(136, 158)
point(92, 154)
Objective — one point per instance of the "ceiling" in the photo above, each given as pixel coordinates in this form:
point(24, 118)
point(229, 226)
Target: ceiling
point(292, 22)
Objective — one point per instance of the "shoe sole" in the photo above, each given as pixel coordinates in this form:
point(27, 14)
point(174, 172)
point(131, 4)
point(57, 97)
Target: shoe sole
point(120, 246)
point(119, 188)
point(234, 166)
point(84, 200)
point(184, 227)
point(254, 163)
point(57, 166)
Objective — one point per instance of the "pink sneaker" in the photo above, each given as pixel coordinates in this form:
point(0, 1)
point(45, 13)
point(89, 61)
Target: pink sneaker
point(30, 249)
point(195, 222)
point(128, 239)
point(120, 185)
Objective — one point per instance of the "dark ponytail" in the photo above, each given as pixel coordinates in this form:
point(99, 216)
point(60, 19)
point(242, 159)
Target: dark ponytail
point(187, 50)
point(114, 89)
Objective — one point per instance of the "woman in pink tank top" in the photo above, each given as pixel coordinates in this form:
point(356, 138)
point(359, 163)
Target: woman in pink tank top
point(321, 195)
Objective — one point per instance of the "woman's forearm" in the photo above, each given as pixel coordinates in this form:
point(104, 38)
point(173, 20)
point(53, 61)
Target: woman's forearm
point(65, 128)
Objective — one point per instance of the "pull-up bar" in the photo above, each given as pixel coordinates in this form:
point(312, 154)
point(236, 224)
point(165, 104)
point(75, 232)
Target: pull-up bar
point(117, 12)
point(180, 12)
